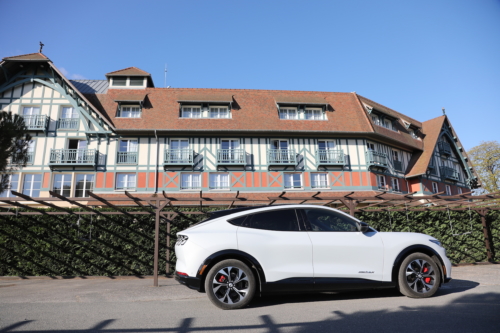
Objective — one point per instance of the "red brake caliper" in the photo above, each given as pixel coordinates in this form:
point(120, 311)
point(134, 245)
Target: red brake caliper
point(222, 279)
point(427, 280)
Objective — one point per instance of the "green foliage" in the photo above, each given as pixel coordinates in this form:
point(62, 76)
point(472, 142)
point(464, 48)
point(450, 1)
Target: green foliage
point(486, 160)
point(461, 233)
point(119, 245)
point(14, 143)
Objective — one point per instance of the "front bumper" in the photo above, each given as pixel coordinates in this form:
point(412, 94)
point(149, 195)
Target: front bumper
point(188, 281)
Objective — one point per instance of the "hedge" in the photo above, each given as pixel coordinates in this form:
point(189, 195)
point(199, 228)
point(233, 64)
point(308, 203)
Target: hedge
point(64, 245)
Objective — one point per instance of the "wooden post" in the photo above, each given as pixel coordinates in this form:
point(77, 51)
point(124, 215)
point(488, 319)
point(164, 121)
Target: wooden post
point(351, 204)
point(167, 266)
point(157, 243)
point(486, 234)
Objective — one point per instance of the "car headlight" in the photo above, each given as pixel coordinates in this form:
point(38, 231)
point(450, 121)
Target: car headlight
point(181, 239)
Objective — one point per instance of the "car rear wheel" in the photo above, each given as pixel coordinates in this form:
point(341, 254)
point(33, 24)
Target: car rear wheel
point(230, 284)
point(419, 276)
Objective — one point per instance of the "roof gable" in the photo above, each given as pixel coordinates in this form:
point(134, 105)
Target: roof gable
point(27, 57)
point(129, 71)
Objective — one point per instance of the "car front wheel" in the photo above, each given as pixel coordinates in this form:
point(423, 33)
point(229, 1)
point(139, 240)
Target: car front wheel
point(419, 276)
point(230, 284)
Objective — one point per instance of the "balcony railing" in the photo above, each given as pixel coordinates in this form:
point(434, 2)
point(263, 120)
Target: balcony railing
point(231, 156)
point(281, 156)
point(374, 158)
point(449, 173)
point(398, 166)
point(14, 160)
point(37, 122)
point(444, 148)
point(73, 157)
point(68, 123)
point(179, 157)
point(330, 157)
point(126, 157)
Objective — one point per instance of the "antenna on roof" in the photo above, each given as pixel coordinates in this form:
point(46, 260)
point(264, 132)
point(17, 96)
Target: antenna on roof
point(444, 112)
point(41, 47)
point(165, 85)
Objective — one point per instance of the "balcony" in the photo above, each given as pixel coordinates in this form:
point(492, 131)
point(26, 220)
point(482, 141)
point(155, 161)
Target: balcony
point(179, 157)
point(127, 157)
point(37, 122)
point(444, 148)
point(73, 157)
point(68, 123)
point(398, 166)
point(14, 160)
point(330, 157)
point(281, 157)
point(231, 157)
point(449, 173)
point(376, 159)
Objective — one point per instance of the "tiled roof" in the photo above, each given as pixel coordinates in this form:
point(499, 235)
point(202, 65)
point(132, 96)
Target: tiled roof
point(130, 71)
point(91, 86)
point(293, 99)
point(197, 96)
point(128, 96)
point(27, 57)
point(388, 111)
point(419, 162)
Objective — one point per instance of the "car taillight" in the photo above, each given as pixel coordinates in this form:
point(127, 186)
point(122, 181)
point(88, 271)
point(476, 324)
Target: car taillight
point(183, 274)
point(181, 240)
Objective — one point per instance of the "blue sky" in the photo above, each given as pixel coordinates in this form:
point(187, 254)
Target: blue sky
point(413, 56)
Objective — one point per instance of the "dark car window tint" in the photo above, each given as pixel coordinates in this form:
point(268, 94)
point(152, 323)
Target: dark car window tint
point(326, 220)
point(280, 220)
point(238, 221)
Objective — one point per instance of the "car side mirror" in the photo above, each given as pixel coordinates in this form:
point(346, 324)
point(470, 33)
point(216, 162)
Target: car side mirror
point(364, 227)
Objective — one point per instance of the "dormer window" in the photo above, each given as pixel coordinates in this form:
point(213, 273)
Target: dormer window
point(314, 114)
point(132, 81)
point(191, 112)
point(288, 113)
point(130, 78)
point(119, 81)
point(219, 112)
point(129, 112)
point(413, 134)
point(136, 81)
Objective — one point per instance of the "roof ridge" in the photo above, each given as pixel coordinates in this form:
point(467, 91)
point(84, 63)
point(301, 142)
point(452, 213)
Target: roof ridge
point(249, 89)
point(124, 69)
point(27, 54)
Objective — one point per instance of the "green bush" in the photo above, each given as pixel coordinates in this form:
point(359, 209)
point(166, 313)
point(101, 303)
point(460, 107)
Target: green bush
point(120, 245)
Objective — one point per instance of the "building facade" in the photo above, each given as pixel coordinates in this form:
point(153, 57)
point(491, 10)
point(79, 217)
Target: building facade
point(123, 134)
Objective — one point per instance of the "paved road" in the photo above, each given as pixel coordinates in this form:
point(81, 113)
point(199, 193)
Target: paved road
point(470, 303)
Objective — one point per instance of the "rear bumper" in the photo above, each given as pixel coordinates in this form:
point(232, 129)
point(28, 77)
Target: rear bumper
point(188, 281)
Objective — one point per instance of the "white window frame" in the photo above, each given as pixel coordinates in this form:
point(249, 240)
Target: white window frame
point(315, 113)
point(288, 113)
point(85, 189)
point(113, 81)
point(460, 190)
point(322, 183)
point(279, 144)
point(448, 189)
point(292, 183)
point(129, 81)
point(376, 119)
point(326, 144)
point(187, 111)
point(192, 181)
point(216, 181)
point(395, 185)
point(127, 181)
point(395, 155)
point(217, 112)
point(371, 146)
point(32, 189)
point(129, 146)
point(435, 187)
point(133, 111)
point(32, 108)
point(388, 124)
point(63, 180)
point(381, 182)
point(9, 186)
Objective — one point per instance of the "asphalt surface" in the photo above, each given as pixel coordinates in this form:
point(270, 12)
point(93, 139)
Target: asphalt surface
point(470, 303)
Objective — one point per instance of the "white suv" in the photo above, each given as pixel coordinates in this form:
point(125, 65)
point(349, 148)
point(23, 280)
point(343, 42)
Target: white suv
point(239, 252)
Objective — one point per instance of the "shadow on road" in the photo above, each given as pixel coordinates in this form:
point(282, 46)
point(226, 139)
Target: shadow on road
point(469, 313)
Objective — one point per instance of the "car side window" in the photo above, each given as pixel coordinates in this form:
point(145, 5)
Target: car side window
point(279, 220)
point(326, 220)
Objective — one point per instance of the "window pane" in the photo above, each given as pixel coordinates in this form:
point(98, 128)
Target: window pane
point(119, 81)
point(84, 184)
point(32, 184)
point(12, 185)
point(280, 220)
point(319, 180)
point(325, 220)
point(137, 81)
point(62, 184)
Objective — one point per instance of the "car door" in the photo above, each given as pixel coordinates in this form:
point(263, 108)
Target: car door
point(339, 249)
point(274, 238)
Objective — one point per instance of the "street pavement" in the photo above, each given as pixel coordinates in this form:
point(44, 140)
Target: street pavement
point(470, 303)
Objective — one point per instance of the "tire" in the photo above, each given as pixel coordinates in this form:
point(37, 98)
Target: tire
point(419, 276)
point(230, 284)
